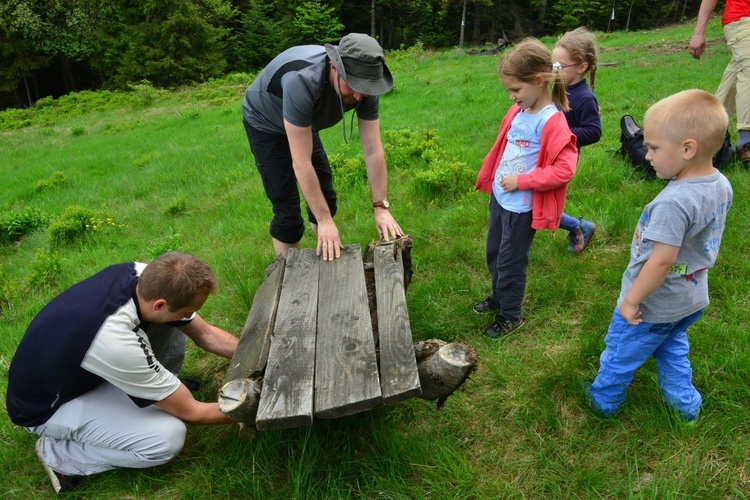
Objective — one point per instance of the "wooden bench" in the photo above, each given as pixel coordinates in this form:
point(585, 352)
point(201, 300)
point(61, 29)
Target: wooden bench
point(315, 344)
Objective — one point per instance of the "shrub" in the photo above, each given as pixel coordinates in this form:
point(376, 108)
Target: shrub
point(144, 93)
point(348, 171)
point(57, 179)
point(77, 131)
point(15, 225)
point(71, 225)
point(444, 179)
point(12, 119)
point(46, 268)
point(177, 207)
point(406, 147)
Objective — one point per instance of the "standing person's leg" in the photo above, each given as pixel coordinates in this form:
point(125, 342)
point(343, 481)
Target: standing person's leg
point(105, 429)
point(627, 348)
point(675, 373)
point(492, 247)
point(273, 160)
point(738, 39)
point(512, 264)
point(734, 89)
point(168, 344)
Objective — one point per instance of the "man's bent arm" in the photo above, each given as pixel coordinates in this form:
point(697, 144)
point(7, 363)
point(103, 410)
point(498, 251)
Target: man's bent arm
point(182, 405)
point(698, 42)
point(210, 338)
point(301, 146)
point(377, 176)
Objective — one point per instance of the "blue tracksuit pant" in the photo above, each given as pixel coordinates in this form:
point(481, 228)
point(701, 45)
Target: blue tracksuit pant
point(629, 347)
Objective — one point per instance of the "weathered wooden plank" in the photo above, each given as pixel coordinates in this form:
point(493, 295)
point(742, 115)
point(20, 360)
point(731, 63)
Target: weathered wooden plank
point(346, 370)
point(250, 358)
point(286, 399)
point(399, 378)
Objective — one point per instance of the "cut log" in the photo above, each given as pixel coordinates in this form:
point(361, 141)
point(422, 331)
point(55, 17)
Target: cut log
point(443, 368)
point(239, 399)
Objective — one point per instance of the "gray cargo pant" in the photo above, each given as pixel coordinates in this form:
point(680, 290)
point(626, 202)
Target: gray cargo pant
point(103, 429)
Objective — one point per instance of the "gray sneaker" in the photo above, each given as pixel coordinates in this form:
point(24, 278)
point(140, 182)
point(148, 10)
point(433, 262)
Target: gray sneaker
point(503, 327)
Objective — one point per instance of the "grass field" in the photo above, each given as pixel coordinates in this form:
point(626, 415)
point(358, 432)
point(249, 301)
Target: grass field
point(153, 171)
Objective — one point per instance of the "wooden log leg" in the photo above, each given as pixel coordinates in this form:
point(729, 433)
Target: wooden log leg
point(443, 368)
point(239, 399)
point(247, 432)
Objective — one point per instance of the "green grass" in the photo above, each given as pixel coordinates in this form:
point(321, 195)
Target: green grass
point(163, 171)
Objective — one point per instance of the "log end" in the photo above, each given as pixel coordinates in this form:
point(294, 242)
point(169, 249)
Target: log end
point(239, 399)
point(443, 368)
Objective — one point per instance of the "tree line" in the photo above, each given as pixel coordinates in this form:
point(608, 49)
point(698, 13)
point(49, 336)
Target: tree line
point(53, 47)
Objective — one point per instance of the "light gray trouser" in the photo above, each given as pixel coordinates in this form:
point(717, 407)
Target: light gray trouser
point(103, 429)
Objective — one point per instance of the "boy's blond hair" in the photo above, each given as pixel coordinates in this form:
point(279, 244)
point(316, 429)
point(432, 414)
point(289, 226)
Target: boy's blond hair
point(581, 45)
point(531, 58)
point(691, 114)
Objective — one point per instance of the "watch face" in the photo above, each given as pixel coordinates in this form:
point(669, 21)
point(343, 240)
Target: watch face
point(386, 204)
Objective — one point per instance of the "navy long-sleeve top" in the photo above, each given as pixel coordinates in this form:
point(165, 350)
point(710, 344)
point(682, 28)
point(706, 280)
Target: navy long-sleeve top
point(583, 118)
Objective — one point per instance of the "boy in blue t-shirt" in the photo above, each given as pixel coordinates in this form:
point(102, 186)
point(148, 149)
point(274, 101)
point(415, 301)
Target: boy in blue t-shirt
point(677, 239)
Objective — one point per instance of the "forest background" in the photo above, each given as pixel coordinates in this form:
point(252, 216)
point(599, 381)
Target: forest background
point(53, 47)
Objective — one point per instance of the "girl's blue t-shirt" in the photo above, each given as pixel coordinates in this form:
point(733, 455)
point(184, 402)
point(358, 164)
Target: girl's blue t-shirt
point(520, 156)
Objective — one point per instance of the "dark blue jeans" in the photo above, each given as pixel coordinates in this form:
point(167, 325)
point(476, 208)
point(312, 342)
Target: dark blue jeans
point(509, 238)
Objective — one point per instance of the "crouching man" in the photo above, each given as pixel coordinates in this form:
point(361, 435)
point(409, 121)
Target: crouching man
point(95, 375)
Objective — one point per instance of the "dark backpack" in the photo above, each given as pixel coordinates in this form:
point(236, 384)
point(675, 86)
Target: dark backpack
point(633, 147)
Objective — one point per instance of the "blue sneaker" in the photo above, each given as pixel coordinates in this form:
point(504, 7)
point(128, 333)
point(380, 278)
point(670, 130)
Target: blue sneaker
point(581, 236)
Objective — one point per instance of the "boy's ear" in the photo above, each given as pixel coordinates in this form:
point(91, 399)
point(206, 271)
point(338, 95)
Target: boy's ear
point(689, 148)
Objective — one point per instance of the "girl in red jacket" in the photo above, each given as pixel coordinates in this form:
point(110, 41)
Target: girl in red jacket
point(526, 173)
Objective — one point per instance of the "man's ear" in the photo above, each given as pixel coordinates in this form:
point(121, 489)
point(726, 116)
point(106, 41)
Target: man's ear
point(160, 304)
point(689, 149)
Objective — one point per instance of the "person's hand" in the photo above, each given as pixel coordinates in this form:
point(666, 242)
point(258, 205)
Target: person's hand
point(631, 313)
point(329, 242)
point(697, 45)
point(509, 183)
point(386, 224)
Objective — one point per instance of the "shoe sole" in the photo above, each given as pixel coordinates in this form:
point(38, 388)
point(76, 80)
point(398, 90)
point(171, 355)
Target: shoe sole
point(52, 476)
point(586, 243)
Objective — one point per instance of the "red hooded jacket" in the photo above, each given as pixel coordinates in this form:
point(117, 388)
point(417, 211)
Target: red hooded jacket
point(555, 167)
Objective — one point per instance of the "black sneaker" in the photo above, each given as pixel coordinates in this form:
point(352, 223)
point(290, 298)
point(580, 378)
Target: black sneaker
point(60, 482)
point(487, 305)
point(503, 327)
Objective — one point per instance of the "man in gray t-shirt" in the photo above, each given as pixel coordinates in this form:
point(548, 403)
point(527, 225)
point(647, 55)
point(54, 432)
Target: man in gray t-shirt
point(303, 90)
point(677, 240)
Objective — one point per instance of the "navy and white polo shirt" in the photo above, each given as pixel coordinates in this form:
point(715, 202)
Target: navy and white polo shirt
point(90, 333)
